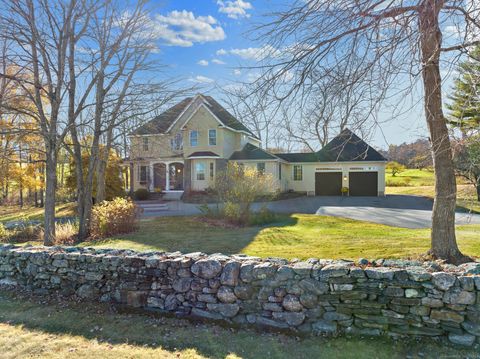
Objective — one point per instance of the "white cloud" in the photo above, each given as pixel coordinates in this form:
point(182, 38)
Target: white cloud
point(202, 79)
point(218, 62)
point(252, 53)
point(234, 9)
point(237, 72)
point(183, 28)
point(203, 63)
point(454, 31)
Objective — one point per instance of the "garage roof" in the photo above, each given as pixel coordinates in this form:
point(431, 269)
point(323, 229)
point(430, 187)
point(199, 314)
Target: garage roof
point(346, 147)
point(251, 152)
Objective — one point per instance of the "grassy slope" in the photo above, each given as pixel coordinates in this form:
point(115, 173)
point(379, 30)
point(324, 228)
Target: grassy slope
point(298, 236)
point(422, 184)
point(12, 213)
point(35, 328)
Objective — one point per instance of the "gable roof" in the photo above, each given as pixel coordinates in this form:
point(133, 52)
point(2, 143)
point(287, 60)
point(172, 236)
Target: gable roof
point(226, 117)
point(251, 152)
point(163, 122)
point(346, 147)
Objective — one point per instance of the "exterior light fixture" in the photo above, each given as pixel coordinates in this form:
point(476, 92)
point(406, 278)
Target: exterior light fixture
point(344, 177)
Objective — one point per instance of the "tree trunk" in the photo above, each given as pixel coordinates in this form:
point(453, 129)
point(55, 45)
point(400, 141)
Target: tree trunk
point(51, 185)
point(477, 187)
point(101, 177)
point(443, 241)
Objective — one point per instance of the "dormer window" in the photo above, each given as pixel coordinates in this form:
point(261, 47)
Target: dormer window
point(145, 143)
point(212, 137)
point(193, 138)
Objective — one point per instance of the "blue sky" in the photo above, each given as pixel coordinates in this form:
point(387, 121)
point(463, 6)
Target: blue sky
point(205, 42)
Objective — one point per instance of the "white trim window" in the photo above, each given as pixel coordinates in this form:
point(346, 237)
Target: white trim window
point(212, 171)
point(200, 171)
point(261, 168)
point(176, 143)
point(145, 143)
point(193, 138)
point(212, 137)
point(142, 174)
point(297, 173)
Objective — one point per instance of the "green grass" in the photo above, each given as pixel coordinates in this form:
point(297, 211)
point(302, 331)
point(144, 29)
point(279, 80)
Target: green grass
point(33, 327)
point(13, 213)
point(411, 177)
point(298, 236)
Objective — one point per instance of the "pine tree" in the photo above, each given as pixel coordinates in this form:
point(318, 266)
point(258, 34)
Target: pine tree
point(465, 105)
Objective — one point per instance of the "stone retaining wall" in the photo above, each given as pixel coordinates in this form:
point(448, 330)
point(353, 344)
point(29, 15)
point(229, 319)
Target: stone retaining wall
point(315, 296)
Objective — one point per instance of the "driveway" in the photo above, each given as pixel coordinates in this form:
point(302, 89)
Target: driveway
point(393, 210)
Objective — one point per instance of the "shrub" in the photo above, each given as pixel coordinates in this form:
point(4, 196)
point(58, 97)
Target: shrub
point(238, 188)
point(65, 233)
point(24, 233)
point(398, 182)
point(3, 232)
point(114, 217)
point(141, 194)
point(264, 216)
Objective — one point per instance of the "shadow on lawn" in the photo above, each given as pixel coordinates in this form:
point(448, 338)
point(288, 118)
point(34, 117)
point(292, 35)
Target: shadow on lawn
point(190, 234)
point(99, 323)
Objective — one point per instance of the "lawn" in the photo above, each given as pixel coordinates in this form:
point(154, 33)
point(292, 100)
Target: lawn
point(35, 327)
point(298, 236)
point(411, 177)
point(14, 213)
point(421, 183)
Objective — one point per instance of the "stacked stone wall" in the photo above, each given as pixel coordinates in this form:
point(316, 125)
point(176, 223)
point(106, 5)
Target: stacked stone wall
point(402, 298)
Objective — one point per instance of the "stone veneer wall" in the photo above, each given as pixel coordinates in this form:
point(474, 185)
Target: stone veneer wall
point(315, 296)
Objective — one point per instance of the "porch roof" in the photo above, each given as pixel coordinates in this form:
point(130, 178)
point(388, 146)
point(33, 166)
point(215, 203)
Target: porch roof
point(200, 154)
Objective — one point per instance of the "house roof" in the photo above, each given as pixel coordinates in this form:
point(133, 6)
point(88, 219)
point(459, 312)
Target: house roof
point(162, 122)
point(251, 152)
point(165, 120)
point(226, 117)
point(346, 147)
point(203, 154)
point(299, 157)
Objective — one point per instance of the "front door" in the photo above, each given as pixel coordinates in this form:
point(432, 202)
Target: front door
point(176, 176)
point(159, 176)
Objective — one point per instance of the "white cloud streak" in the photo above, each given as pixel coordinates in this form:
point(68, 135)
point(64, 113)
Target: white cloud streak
point(183, 28)
point(235, 9)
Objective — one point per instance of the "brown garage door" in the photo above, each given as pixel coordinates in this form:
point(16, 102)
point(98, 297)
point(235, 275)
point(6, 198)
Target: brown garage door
point(363, 183)
point(328, 183)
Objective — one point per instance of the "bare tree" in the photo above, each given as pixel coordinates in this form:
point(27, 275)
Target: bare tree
point(389, 42)
point(40, 34)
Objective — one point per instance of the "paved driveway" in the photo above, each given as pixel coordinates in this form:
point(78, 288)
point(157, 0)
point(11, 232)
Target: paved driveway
point(394, 210)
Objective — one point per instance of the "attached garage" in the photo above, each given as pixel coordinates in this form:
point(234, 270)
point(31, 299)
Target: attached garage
point(363, 183)
point(328, 183)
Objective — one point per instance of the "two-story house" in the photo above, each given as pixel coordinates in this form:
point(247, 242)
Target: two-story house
point(183, 148)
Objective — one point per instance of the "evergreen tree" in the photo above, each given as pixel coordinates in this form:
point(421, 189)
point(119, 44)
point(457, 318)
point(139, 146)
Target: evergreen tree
point(465, 105)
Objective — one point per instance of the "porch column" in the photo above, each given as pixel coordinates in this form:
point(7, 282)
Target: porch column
point(167, 176)
point(151, 179)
